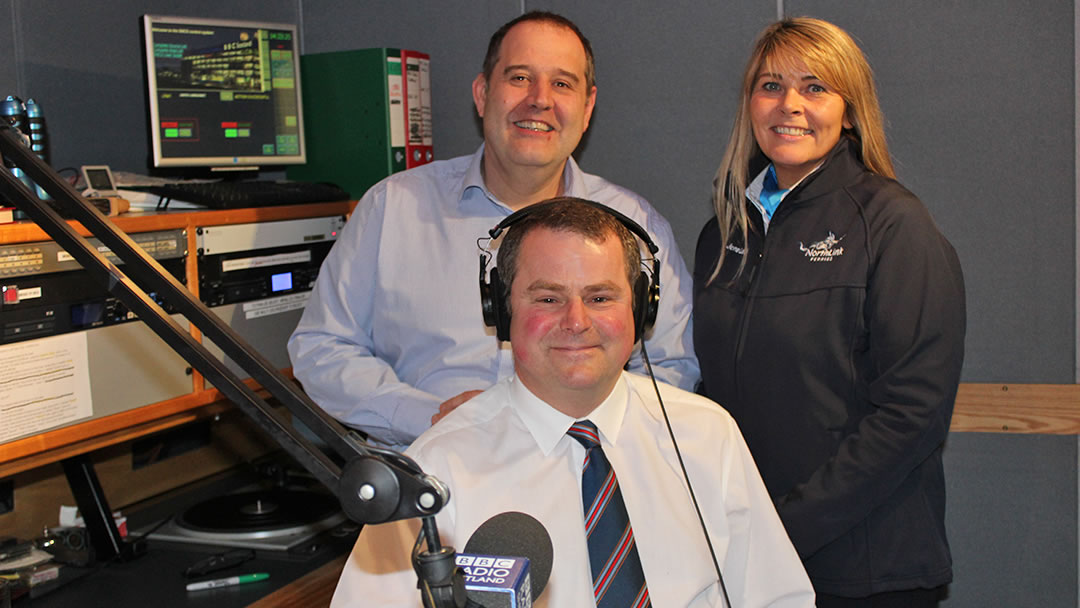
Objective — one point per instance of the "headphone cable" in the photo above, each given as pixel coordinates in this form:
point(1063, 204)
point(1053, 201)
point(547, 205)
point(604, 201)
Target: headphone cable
point(686, 476)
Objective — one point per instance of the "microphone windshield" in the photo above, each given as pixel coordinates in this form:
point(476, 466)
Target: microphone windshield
point(515, 534)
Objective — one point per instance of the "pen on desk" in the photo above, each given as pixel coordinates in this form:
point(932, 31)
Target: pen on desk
point(228, 582)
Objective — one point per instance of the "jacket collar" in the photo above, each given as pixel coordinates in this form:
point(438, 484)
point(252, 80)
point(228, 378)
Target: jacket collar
point(842, 167)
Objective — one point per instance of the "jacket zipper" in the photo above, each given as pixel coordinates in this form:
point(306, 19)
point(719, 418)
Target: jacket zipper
point(751, 289)
point(744, 315)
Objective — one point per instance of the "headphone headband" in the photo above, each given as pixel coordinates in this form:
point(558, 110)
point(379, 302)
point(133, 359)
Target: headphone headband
point(524, 212)
point(646, 289)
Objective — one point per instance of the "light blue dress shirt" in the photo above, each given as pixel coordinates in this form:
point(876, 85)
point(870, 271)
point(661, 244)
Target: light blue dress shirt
point(394, 325)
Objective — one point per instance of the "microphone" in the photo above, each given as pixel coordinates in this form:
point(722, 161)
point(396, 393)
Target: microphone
point(507, 561)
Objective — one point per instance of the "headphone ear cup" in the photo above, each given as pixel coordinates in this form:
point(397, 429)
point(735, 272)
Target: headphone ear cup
point(646, 303)
point(499, 309)
point(653, 308)
point(487, 303)
point(641, 294)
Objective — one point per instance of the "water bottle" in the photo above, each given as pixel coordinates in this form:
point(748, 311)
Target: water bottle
point(13, 110)
point(39, 141)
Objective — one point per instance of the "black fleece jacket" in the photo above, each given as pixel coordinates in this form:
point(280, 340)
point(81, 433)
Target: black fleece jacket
point(838, 351)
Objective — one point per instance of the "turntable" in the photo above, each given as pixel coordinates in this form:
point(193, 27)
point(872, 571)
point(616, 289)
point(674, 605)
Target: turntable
point(286, 531)
point(278, 519)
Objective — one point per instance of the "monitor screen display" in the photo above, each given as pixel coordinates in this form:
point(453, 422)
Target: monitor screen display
point(223, 94)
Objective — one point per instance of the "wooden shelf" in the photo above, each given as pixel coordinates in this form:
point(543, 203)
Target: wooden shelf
point(1052, 409)
point(28, 232)
point(54, 446)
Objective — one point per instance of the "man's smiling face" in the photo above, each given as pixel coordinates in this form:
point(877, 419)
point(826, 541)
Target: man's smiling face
point(536, 104)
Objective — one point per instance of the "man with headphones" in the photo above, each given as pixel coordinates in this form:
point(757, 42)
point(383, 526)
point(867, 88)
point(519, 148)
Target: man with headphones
point(574, 298)
point(391, 338)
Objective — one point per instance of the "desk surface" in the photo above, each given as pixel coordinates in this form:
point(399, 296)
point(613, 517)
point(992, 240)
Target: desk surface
point(156, 579)
point(313, 590)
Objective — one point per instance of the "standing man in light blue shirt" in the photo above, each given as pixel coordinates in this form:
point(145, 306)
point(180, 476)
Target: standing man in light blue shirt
point(392, 338)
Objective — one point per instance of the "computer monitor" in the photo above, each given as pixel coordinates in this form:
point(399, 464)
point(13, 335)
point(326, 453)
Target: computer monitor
point(223, 94)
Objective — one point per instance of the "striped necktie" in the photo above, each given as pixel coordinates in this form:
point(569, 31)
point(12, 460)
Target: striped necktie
point(618, 580)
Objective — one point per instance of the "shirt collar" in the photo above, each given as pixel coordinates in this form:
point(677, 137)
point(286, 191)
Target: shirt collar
point(548, 426)
point(473, 189)
point(753, 191)
point(574, 180)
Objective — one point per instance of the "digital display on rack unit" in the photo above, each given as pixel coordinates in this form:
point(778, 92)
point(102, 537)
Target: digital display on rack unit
point(281, 282)
point(87, 314)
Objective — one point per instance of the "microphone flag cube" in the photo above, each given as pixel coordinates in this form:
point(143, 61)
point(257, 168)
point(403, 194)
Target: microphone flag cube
point(496, 581)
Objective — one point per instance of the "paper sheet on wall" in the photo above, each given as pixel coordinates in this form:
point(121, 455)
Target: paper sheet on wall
point(43, 383)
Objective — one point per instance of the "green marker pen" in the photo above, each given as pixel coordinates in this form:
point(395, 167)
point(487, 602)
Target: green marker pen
point(228, 582)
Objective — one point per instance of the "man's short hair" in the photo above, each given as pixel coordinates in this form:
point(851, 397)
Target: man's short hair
point(566, 214)
point(495, 44)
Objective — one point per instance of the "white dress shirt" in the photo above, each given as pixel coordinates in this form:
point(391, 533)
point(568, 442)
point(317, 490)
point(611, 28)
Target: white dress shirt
point(394, 327)
point(506, 450)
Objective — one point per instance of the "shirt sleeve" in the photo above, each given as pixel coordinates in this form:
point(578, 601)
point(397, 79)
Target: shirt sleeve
point(669, 345)
point(332, 350)
point(915, 315)
point(378, 571)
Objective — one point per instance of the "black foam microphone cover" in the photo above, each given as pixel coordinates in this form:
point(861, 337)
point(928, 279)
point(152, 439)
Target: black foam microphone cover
point(516, 534)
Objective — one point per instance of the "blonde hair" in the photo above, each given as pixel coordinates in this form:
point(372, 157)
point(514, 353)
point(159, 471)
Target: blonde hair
point(828, 53)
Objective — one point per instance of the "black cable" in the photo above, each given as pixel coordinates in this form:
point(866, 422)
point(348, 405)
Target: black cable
point(144, 535)
point(686, 476)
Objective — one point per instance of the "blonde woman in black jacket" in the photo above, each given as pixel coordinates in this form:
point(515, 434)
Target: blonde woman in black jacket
point(829, 320)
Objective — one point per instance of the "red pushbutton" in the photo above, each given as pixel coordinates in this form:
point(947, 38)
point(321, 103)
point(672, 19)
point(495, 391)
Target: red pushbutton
point(11, 294)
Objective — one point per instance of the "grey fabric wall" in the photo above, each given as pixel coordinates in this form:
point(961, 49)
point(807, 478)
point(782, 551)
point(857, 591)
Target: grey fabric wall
point(979, 97)
point(8, 68)
point(1012, 520)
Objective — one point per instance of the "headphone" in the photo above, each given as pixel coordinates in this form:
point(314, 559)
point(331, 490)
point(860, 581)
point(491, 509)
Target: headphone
point(646, 289)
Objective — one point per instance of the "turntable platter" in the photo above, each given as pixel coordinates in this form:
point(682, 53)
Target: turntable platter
point(277, 518)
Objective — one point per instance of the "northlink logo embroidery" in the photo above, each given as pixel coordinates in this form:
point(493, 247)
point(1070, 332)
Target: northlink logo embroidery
point(823, 251)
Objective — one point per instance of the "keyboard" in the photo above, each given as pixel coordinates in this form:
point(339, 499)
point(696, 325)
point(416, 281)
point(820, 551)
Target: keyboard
point(251, 193)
